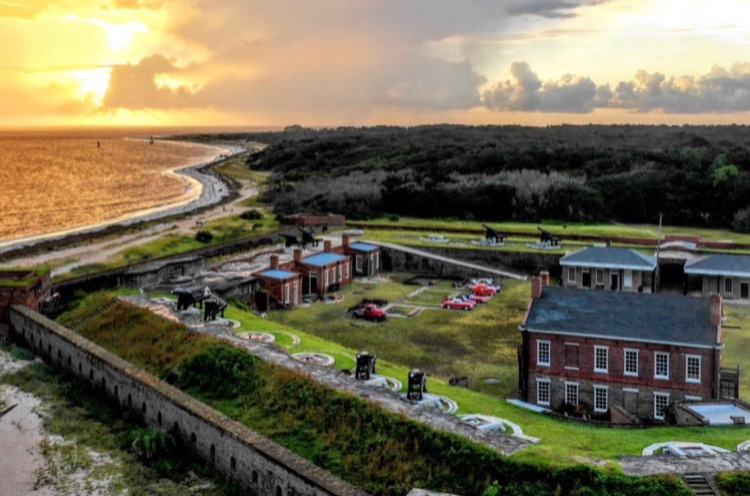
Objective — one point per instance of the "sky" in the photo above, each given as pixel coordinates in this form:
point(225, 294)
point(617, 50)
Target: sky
point(370, 62)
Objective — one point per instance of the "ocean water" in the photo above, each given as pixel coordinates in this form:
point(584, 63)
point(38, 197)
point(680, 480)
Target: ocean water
point(64, 179)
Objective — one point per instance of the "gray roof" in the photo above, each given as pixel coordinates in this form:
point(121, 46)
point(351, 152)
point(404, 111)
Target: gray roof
point(641, 317)
point(609, 258)
point(720, 265)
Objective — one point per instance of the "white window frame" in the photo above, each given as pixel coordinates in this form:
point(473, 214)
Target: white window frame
point(571, 274)
point(296, 292)
point(540, 343)
point(728, 282)
point(346, 269)
point(339, 271)
point(574, 385)
point(548, 387)
point(657, 355)
point(627, 372)
point(325, 279)
point(286, 293)
point(599, 276)
point(657, 414)
point(598, 389)
point(695, 380)
point(358, 263)
point(605, 349)
point(377, 260)
point(627, 278)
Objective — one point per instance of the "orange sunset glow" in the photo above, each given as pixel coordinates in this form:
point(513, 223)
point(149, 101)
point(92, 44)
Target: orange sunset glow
point(231, 62)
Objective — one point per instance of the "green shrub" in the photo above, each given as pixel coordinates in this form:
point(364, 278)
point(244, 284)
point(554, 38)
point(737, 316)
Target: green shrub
point(394, 218)
point(221, 372)
point(733, 483)
point(252, 214)
point(204, 236)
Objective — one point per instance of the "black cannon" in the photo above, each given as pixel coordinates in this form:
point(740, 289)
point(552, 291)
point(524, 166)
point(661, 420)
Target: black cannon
point(187, 298)
point(417, 385)
point(492, 236)
point(290, 239)
point(547, 237)
point(308, 238)
point(213, 307)
point(365, 366)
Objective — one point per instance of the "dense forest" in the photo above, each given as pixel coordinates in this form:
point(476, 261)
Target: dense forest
point(693, 175)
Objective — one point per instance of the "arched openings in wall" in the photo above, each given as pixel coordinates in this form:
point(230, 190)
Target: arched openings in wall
point(279, 492)
point(70, 362)
point(117, 393)
point(91, 375)
point(143, 408)
point(176, 429)
point(212, 456)
point(255, 476)
point(193, 440)
point(233, 463)
point(130, 400)
point(104, 384)
point(158, 418)
point(80, 368)
point(49, 350)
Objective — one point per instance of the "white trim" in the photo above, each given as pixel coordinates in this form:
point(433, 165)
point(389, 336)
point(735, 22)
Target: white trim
point(549, 391)
point(627, 278)
point(358, 263)
point(660, 395)
point(572, 271)
point(572, 344)
point(623, 338)
point(539, 362)
point(606, 357)
point(567, 367)
point(599, 272)
point(606, 398)
point(630, 390)
point(656, 364)
point(690, 397)
point(625, 362)
point(687, 368)
point(729, 280)
point(578, 392)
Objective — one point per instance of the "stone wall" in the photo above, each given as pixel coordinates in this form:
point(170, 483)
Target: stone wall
point(521, 262)
point(258, 465)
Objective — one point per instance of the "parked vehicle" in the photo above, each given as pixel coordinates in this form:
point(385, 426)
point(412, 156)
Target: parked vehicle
point(477, 298)
point(483, 290)
point(458, 304)
point(370, 312)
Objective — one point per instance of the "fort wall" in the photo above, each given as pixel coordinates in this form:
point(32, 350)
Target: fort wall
point(255, 463)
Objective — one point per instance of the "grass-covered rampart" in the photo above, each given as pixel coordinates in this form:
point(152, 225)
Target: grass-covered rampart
point(383, 453)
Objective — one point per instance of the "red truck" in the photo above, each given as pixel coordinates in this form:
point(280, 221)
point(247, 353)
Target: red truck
point(370, 312)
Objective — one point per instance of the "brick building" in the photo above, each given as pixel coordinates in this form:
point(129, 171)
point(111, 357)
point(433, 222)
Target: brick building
point(613, 269)
point(323, 272)
point(366, 257)
point(622, 355)
point(282, 285)
point(28, 287)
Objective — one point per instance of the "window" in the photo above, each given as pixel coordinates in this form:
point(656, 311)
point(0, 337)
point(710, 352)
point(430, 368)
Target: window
point(346, 270)
point(571, 393)
point(728, 285)
point(542, 391)
point(377, 260)
point(627, 278)
point(325, 278)
point(286, 293)
point(693, 368)
point(661, 402)
point(661, 365)
point(543, 353)
point(600, 398)
point(601, 359)
point(571, 356)
point(296, 292)
point(358, 263)
point(571, 274)
point(599, 276)
point(631, 362)
point(340, 272)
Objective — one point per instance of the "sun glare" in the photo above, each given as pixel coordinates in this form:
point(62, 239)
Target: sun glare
point(92, 83)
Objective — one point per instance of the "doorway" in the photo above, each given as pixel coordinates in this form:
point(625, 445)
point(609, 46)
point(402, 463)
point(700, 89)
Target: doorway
point(614, 281)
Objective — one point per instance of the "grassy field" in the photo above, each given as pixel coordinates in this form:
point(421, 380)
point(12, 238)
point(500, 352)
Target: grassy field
point(613, 230)
point(481, 344)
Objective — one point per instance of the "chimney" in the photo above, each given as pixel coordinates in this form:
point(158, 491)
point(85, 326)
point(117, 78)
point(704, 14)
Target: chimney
point(345, 241)
point(717, 309)
point(545, 278)
point(274, 261)
point(298, 255)
point(536, 287)
point(327, 246)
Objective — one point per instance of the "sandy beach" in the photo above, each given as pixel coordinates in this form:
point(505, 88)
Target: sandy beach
point(201, 190)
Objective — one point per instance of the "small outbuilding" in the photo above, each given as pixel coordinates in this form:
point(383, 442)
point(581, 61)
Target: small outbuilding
point(282, 285)
point(612, 269)
point(366, 257)
point(728, 275)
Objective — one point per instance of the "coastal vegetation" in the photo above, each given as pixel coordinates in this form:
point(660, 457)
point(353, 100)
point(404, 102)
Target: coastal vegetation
point(694, 175)
point(334, 429)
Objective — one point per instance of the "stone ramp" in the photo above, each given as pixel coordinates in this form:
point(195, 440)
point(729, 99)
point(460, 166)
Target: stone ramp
point(480, 269)
point(701, 485)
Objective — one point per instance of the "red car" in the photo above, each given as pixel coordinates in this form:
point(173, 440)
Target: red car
point(370, 312)
point(483, 290)
point(458, 304)
point(477, 298)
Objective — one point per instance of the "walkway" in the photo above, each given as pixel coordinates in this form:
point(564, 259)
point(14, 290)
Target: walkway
point(460, 263)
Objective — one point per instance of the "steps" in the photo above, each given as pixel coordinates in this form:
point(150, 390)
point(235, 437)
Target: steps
point(701, 485)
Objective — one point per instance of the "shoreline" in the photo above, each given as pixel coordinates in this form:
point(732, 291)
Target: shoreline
point(212, 191)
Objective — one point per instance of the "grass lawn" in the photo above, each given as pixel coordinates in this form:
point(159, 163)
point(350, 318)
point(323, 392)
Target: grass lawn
point(614, 230)
point(481, 344)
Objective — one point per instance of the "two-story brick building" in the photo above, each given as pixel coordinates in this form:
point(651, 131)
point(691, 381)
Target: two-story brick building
point(596, 352)
point(614, 269)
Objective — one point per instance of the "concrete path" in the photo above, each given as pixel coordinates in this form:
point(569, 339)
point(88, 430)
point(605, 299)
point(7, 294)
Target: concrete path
point(670, 464)
point(453, 261)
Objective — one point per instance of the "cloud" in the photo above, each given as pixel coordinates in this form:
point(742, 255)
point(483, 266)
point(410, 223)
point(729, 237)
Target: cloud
point(134, 86)
point(527, 93)
point(718, 91)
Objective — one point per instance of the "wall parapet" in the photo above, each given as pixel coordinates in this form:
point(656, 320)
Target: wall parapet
point(240, 454)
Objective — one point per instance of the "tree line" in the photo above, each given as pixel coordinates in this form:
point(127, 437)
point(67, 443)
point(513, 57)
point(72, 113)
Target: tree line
point(693, 175)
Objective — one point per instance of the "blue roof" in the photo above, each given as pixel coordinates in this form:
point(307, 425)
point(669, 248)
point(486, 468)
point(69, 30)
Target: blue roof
point(362, 247)
point(641, 317)
point(609, 258)
point(323, 259)
point(720, 265)
point(278, 274)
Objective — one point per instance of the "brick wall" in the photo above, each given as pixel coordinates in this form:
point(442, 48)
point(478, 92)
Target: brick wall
point(258, 465)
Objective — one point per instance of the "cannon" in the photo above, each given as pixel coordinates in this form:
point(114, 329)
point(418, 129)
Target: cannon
point(547, 237)
point(417, 385)
point(289, 239)
point(365, 368)
point(492, 236)
point(308, 238)
point(213, 307)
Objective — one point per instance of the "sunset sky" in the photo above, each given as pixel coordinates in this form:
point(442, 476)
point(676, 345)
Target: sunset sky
point(361, 62)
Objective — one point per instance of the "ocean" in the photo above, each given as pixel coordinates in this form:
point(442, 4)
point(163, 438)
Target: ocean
point(56, 180)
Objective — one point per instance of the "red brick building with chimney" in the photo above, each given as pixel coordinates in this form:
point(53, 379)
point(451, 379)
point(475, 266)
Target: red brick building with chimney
point(366, 257)
point(284, 286)
point(616, 356)
point(26, 287)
